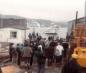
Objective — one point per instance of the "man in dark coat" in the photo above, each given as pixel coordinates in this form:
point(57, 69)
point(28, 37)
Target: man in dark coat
point(40, 59)
point(50, 53)
point(33, 46)
point(19, 54)
point(10, 50)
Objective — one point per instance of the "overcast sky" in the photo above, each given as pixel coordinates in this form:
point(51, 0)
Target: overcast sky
point(56, 10)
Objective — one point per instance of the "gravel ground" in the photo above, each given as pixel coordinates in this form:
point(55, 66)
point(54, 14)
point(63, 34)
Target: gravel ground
point(16, 69)
point(9, 67)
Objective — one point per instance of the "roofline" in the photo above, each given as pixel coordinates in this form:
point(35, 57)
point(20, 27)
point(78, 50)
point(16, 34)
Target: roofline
point(77, 18)
point(51, 33)
point(14, 28)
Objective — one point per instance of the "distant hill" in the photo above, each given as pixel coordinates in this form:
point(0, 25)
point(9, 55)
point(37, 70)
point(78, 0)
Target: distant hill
point(38, 23)
point(44, 23)
point(25, 22)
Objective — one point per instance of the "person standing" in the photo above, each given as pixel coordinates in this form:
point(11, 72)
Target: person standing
point(58, 54)
point(33, 46)
point(27, 52)
point(50, 53)
point(66, 48)
point(14, 54)
point(10, 50)
point(18, 54)
point(40, 59)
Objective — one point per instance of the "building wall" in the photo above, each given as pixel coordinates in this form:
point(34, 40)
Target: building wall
point(61, 31)
point(5, 35)
point(22, 34)
point(40, 30)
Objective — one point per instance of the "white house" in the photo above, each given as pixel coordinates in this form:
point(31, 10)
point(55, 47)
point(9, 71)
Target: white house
point(12, 35)
point(12, 30)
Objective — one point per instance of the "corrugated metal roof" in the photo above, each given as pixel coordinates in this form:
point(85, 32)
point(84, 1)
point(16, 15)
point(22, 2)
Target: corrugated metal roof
point(14, 23)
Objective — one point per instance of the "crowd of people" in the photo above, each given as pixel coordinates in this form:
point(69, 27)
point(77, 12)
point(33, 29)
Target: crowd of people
point(47, 51)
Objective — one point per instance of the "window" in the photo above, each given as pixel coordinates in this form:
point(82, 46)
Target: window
point(13, 34)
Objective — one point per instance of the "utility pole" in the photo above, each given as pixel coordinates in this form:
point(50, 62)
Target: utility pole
point(76, 21)
point(1, 19)
point(85, 11)
point(25, 30)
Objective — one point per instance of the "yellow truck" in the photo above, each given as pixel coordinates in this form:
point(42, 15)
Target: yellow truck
point(79, 34)
point(77, 62)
